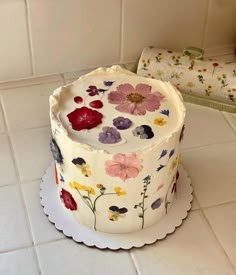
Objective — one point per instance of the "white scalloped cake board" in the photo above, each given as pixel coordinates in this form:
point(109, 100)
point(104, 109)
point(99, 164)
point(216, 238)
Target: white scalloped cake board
point(53, 208)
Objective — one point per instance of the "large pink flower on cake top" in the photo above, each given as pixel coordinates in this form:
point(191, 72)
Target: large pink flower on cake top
point(136, 100)
point(124, 166)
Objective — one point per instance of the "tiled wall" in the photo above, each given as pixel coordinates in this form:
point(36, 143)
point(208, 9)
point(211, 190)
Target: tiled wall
point(41, 37)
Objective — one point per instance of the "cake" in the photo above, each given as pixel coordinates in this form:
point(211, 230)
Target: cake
point(116, 145)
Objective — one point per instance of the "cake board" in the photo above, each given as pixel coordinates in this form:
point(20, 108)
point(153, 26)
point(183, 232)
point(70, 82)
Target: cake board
point(53, 208)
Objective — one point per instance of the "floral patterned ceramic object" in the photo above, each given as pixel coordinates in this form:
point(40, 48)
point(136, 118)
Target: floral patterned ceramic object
point(118, 137)
point(210, 79)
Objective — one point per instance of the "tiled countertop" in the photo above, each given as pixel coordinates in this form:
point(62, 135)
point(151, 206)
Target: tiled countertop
point(205, 244)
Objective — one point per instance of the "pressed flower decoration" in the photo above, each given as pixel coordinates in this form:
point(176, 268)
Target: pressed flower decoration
point(143, 131)
point(122, 123)
point(115, 212)
point(173, 184)
point(78, 99)
point(55, 173)
point(123, 166)
point(164, 152)
point(135, 100)
point(93, 90)
point(109, 135)
point(159, 121)
point(56, 152)
point(108, 83)
point(97, 104)
point(86, 192)
point(68, 200)
point(84, 118)
point(157, 203)
point(181, 134)
point(141, 205)
point(165, 112)
point(83, 167)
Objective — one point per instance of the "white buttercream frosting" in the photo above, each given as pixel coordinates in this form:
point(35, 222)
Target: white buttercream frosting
point(155, 158)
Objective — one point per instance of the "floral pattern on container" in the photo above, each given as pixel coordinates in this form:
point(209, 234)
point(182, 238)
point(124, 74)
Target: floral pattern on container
point(205, 78)
point(123, 166)
point(164, 152)
point(93, 90)
point(88, 196)
point(135, 100)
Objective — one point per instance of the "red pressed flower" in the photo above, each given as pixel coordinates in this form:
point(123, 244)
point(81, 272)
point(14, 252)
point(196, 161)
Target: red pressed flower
point(68, 200)
point(204, 70)
point(199, 71)
point(78, 99)
point(84, 118)
point(215, 64)
point(97, 104)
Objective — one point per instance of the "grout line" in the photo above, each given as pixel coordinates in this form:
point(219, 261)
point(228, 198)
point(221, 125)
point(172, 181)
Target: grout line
point(29, 37)
point(228, 122)
point(28, 129)
point(134, 262)
point(219, 204)
point(203, 42)
point(216, 239)
point(199, 147)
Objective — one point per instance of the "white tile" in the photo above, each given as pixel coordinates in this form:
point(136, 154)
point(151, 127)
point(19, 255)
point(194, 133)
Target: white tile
point(231, 118)
point(223, 221)
point(74, 34)
point(213, 173)
point(192, 249)
point(20, 262)
point(28, 107)
point(204, 126)
point(14, 54)
point(7, 170)
point(32, 153)
point(220, 26)
point(14, 230)
point(69, 76)
point(162, 24)
point(42, 229)
point(80, 259)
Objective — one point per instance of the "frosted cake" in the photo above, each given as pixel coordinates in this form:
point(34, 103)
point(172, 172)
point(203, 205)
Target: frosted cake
point(116, 144)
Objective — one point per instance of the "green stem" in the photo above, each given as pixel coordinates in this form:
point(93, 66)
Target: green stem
point(94, 204)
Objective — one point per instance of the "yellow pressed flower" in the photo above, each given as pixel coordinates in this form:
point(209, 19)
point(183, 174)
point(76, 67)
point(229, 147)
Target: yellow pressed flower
point(159, 121)
point(84, 168)
point(75, 185)
point(90, 190)
point(119, 192)
point(99, 185)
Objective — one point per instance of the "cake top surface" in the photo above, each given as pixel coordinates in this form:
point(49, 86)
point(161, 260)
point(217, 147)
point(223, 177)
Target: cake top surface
point(114, 110)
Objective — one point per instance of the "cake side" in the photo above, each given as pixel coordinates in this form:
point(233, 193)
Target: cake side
point(122, 186)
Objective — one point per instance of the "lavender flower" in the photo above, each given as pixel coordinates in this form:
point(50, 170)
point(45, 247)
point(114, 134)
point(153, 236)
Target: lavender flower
point(122, 123)
point(156, 204)
point(109, 135)
point(143, 131)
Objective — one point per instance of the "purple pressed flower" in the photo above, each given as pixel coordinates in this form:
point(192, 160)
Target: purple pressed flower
point(171, 153)
point(143, 131)
point(156, 204)
point(165, 112)
point(122, 123)
point(109, 135)
point(93, 90)
point(108, 83)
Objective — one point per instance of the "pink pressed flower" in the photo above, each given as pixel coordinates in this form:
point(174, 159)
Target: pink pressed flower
point(123, 166)
point(136, 100)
